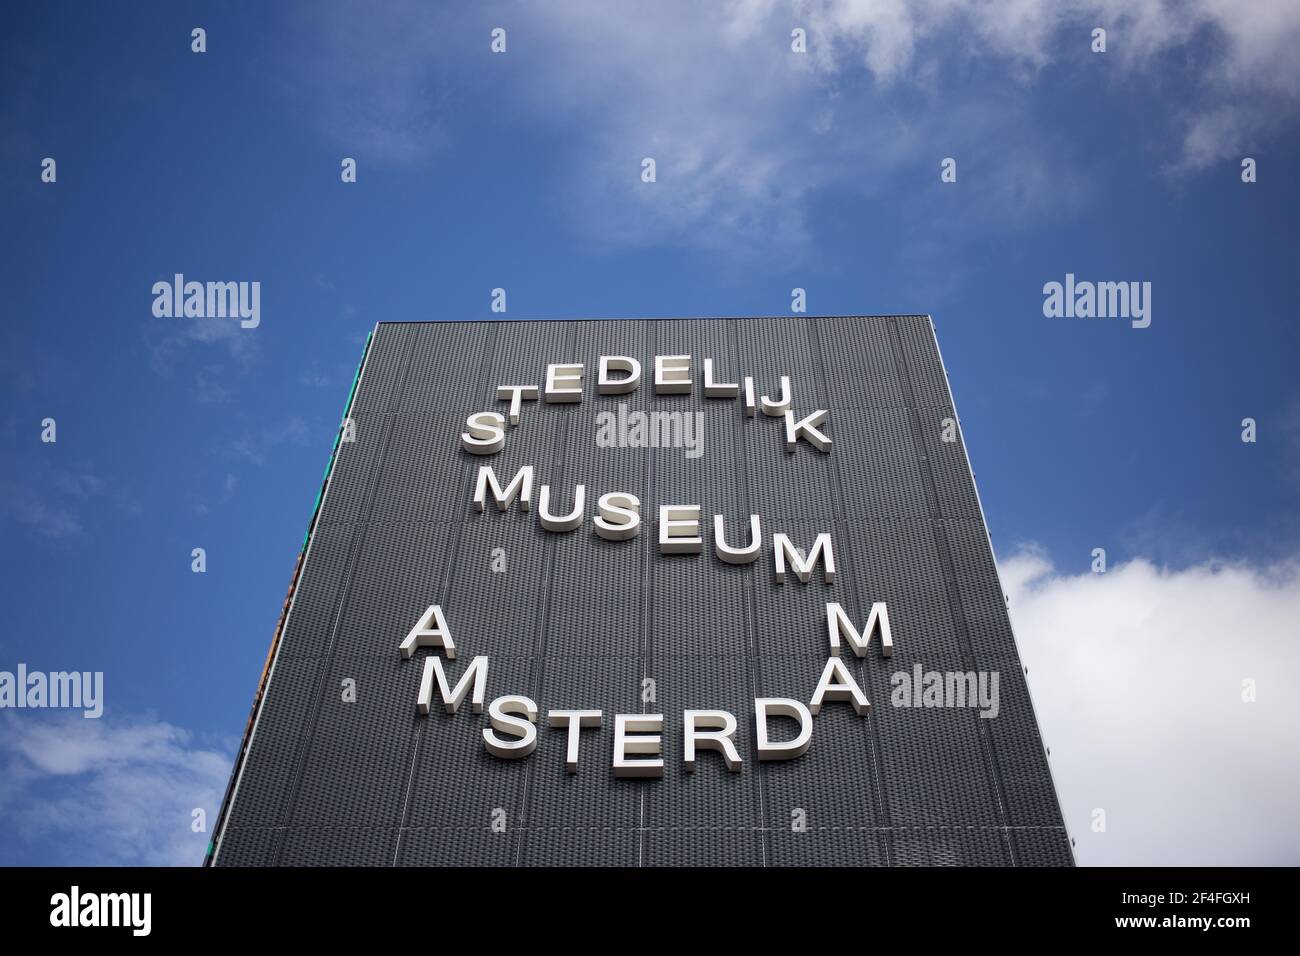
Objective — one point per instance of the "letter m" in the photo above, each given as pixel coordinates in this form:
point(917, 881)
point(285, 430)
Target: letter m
point(803, 567)
point(476, 673)
point(521, 485)
point(838, 624)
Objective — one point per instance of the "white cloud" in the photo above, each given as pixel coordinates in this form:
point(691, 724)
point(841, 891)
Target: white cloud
point(107, 792)
point(746, 134)
point(1249, 73)
point(1137, 679)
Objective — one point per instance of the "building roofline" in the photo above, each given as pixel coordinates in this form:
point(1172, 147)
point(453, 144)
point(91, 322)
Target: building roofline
point(653, 318)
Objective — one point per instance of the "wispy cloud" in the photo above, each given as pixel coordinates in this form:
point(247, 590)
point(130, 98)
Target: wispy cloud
point(1249, 76)
point(106, 792)
point(1137, 678)
point(47, 519)
point(208, 388)
point(313, 378)
point(386, 106)
point(747, 134)
point(256, 445)
point(251, 446)
point(171, 340)
point(48, 499)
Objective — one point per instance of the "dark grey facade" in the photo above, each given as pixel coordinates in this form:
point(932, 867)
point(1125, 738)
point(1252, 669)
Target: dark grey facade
point(576, 621)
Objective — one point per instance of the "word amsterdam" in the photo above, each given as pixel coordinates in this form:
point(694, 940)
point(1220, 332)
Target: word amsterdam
point(638, 738)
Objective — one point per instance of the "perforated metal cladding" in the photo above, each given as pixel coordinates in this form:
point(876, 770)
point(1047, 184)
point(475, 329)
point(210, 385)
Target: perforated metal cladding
point(455, 782)
point(711, 795)
point(354, 466)
point(356, 766)
point(421, 473)
point(247, 846)
point(885, 482)
point(835, 782)
point(922, 364)
point(589, 798)
point(861, 370)
point(316, 599)
point(282, 731)
point(397, 574)
point(342, 770)
point(385, 367)
point(336, 846)
point(1040, 846)
point(446, 374)
point(581, 845)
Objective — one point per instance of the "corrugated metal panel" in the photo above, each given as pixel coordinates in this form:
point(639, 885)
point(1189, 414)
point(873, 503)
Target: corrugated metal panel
point(576, 621)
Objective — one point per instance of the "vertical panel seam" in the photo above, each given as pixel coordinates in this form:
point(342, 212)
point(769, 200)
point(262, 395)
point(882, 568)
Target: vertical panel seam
point(647, 603)
point(537, 667)
point(355, 548)
point(952, 587)
point(752, 659)
point(882, 814)
point(444, 584)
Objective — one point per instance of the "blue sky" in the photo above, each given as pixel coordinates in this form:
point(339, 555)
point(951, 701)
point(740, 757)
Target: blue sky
point(522, 170)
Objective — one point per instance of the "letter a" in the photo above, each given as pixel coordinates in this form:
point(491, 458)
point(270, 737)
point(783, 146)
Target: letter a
point(425, 634)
